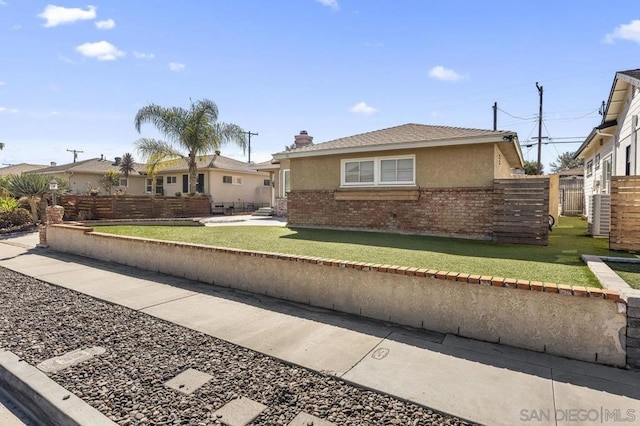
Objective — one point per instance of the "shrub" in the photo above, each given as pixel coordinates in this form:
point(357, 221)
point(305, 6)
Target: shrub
point(15, 218)
point(8, 204)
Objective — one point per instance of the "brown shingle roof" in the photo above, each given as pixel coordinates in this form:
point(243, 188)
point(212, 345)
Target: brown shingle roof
point(18, 169)
point(631, 73)
point(212, 162)
point(92, 165)
point(405, 133)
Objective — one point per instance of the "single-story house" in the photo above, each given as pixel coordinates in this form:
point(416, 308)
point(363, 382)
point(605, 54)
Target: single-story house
point(611, 149)
point(224, 179)
point(18, 169)
point(85, 175)
point(413, 178)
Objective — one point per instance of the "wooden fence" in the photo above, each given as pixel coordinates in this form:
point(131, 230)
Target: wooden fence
point(521, 211)
point(625, 213)
point(81, 207)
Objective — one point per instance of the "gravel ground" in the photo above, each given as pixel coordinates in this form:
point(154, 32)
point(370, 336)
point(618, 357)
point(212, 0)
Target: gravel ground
point(39, 321)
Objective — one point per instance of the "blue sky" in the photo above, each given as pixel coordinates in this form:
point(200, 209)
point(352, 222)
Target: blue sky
point(73, 74)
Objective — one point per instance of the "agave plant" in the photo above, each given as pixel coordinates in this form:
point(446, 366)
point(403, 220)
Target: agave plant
point(31, 187)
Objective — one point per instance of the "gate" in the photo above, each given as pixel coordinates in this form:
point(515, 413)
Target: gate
point(572, 196)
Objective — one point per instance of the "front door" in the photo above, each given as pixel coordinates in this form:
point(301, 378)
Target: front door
point(185, 184)
point(200, 185)
point(159, 186)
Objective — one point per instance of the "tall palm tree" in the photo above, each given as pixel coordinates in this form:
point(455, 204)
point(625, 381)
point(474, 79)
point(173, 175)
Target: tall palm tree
point(196, 131)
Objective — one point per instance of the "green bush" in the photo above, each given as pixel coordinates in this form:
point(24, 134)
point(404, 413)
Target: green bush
point(15, 218)
point(8, 204)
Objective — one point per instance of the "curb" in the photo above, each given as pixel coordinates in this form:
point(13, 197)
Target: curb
point(44, 400)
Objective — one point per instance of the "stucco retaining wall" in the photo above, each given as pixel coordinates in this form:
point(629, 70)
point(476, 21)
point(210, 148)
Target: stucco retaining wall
point(580, 323)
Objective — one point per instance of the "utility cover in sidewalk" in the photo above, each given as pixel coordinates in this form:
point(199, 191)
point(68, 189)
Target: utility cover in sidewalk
point(239, 412)
point(188, 381)
point(304, 419)
point(61, 362)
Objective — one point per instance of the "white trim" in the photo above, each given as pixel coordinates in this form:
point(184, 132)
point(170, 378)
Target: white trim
point(376, 172)
point(284, 182)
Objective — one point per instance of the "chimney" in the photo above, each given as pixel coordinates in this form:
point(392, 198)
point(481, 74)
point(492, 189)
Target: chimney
point(53, 164)
point(303, 139)
point(118, 159)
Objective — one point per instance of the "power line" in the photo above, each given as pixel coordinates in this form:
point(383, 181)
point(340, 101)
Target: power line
point(513, 116)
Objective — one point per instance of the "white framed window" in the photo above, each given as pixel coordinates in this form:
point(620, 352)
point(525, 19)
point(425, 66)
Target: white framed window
point(378, 171)
point(124, 182)
point(589, 167)
point(286, 182)
point(232, 180)
point(597, 163)
point(227, 179)
point(149, 186)
point(266, 182)
point(237, 180)
point(171, 180)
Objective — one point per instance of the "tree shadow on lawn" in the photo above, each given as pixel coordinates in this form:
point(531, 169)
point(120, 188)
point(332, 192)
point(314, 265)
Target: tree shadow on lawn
point(567, 243)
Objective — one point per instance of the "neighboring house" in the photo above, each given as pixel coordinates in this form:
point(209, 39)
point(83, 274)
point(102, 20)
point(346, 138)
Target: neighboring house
point(611, 149)
point(86, 174)
point(411, 178)
point(226, 180)
point(18, 169)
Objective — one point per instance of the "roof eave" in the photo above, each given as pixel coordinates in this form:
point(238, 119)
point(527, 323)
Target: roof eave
point(396, 146)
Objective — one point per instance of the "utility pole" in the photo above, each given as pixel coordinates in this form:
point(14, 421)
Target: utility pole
point(75, 153)
point(540, 91)
point(249, 134)
point(495, 116)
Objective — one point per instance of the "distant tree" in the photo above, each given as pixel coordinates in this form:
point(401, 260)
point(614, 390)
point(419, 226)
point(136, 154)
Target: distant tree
point(290, 147)
point(195, 130)
point(565, 161)
point(110, 179)
point(127, 165)
point(1, 145)
point(531, 168)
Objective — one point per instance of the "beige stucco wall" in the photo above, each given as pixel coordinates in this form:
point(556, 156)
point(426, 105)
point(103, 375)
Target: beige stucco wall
point(583, 328)
point(252, 189)
point(437, 167)
point(79, 183)
point(501, 167)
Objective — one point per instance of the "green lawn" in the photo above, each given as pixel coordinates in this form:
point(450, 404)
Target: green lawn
point(630, 272)
point(559, 262)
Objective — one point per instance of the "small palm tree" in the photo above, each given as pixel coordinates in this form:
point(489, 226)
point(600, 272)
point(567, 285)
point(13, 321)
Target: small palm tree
point(127, 165)
point(195, 130)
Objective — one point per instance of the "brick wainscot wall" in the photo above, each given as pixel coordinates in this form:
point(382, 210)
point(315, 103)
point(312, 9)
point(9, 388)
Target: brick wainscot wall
point(466, 212)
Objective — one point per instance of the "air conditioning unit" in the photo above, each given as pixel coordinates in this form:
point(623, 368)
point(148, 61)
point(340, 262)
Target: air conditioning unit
point(599, 219)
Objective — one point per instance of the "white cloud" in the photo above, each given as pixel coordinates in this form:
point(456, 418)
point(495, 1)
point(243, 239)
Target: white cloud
point(630, 31)
point(3, 3)
point(11, 110)
point(105, 25)
point(140, 55)
point(57, 15)
point(176, 66)
point(363, 108)
point(101, 50)
point(441, 73)
point(333, 4)
point(16, 27)
point(2, 83)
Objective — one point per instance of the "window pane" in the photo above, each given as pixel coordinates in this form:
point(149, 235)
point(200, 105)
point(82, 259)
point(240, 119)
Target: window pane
point(352, 171)
point(405, 170)
point(366, 171)
point(388, 170)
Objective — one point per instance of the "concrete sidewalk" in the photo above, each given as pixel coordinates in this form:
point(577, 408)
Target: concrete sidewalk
point(478, 381)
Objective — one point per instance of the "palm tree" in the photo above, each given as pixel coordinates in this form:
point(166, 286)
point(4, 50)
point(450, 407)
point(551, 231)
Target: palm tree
point(127, 165)
point(196, 131)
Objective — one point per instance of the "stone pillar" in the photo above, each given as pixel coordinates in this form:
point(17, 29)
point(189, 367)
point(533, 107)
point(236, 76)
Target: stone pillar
point(54, 215)
point(633, 332)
